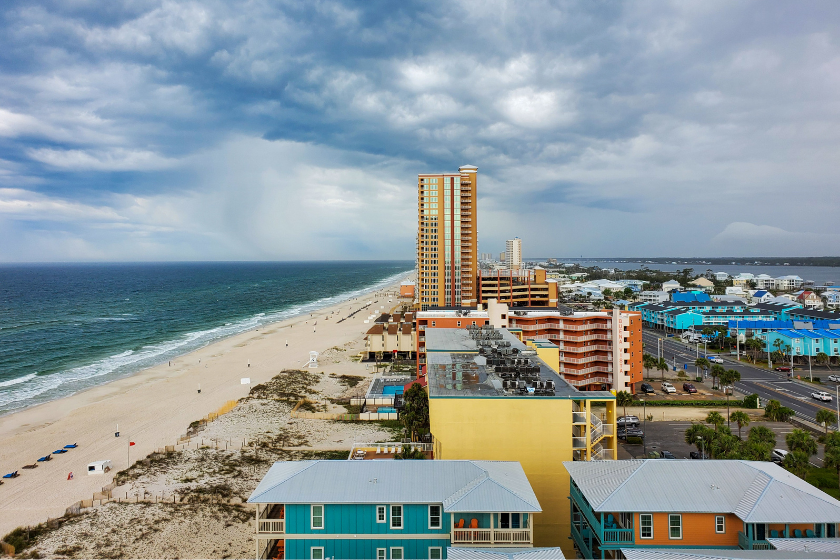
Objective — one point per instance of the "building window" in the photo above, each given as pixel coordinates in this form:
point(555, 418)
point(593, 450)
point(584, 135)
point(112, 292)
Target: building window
point(674, 526)
point(435, 553)
point(720, 524)
point(396, 519)
point(434, 517)
point(318, 518)
point(317, 553)
point(397, 553)
point(380, 514)
point(646, 526)
point(380, 554)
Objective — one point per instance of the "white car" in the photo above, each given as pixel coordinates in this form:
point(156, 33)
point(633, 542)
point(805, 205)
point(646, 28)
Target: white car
point(668, 388)
point(821, 396)
point(715, 359)
point(835, 378)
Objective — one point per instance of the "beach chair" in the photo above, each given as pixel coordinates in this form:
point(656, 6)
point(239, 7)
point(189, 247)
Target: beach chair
point(473, 523)
point(809, 534)
point(11, 475)
point(378, 450)
point(32, 466)
point(797, 533)
point(45, 458)
point(59, 451)
point(774, 534)
point(71, 446)
point(460, 524)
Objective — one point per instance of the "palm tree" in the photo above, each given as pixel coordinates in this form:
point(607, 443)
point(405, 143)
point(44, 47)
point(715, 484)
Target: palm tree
point(622, 399)
point(826, 417)
point(648, 362)
point(741, 418)
point(662, 366)
point(762, 435)
point(800, 440)
point(776, 412)
point(797, 462)
point(702, 363)
point(754, 345)
point(822, 358)
point(715, 418)
point(832, 452)
point(729, 377)
point(716, 372)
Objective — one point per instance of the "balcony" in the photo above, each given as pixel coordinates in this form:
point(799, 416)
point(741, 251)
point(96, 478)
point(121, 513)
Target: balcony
point(272, 526)
point(587, 381)
point(491, 537)
point(747, 543)
point(585, 360)
point(590, 326)
point(586, 519)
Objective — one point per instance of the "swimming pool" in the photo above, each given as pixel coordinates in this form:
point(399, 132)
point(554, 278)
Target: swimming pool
point(383, 410)
point(392, 390)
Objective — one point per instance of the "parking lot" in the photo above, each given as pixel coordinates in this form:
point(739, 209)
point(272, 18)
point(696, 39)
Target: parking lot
point(670, 436)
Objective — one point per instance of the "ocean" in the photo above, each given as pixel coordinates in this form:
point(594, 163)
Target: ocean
point(67, 327)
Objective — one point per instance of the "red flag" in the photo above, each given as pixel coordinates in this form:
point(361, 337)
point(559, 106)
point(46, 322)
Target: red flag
point(130, 443)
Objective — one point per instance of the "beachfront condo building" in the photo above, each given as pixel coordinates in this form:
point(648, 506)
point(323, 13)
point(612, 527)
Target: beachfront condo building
point(392, 510)
point(517, 287)
point(492, 398)
point(447, 238)
point(633, 509)
point(513, 253)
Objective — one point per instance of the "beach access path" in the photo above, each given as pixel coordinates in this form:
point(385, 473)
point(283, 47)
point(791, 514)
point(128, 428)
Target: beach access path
point(153, 408)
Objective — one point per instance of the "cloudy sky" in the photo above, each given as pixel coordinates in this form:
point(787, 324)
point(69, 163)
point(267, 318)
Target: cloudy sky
point(238, 130)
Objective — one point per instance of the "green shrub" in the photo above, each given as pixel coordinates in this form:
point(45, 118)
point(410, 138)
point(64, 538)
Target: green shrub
point(634, 440)
point(694, 403)
point(751, 401)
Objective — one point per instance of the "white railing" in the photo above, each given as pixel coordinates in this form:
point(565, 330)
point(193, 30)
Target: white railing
point(586, 359)
point(590, 348)
point(596, 430)
point(272, 526)
point(587, 381)
point(599, 453)
point(578, 442)
point(578, 417)
point(491, 536)
point(571, 327)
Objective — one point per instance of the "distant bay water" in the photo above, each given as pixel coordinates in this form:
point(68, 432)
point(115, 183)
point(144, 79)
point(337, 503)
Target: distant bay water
point(67, 327)
point(818, 274)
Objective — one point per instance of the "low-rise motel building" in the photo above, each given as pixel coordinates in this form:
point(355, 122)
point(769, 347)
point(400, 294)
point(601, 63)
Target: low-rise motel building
point(519, 287)
point(492, 398)
point(392, 510)
point(593, 351)
point(621, 509)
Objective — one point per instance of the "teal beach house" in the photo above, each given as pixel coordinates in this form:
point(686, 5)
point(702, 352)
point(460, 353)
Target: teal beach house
point(391, 510)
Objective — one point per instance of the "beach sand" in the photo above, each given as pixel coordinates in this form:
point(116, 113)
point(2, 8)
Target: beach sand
point(155, 406)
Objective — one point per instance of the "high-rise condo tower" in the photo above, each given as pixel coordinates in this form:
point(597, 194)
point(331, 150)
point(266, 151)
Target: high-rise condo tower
point(447, 244)
point(513, 253)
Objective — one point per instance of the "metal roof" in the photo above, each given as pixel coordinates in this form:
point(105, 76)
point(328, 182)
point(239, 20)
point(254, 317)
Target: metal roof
point(807, 545)
point(755, 491)
point(461, 486)
point(458, 553)
point(722, 554)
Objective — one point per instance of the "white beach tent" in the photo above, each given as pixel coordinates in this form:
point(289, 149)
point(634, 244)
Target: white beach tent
point(99, 467)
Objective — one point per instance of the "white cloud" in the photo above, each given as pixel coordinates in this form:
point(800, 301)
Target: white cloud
point(117, 159)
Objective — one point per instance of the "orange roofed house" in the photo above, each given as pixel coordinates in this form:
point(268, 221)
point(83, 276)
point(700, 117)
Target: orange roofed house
point(657, 504)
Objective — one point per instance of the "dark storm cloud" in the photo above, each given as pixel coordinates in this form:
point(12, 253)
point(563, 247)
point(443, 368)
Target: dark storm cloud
point(154, 129)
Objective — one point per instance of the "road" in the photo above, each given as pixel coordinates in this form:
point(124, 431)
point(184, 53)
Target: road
point(766, 384)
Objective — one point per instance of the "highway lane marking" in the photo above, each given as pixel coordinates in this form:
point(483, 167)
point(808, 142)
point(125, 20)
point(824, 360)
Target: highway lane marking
point(802, 398)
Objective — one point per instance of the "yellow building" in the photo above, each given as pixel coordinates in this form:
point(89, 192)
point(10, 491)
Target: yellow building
point(491, 397)
point(447, 242)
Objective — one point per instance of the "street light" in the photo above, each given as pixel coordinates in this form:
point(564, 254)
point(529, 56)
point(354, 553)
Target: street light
point(702, 448)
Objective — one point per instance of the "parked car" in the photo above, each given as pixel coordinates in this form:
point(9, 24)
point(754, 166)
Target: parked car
point(668, 388)
point(627, 421)
point(778, 455)
point(630, 431)
point(834, 377)
point(783, 369)
point(821, 396)
point(694, 455)
point(689, 388)
point(667, 455)
point(715, 359)
point(646, 388)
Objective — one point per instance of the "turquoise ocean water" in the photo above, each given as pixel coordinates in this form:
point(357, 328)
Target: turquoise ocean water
point(67, 327)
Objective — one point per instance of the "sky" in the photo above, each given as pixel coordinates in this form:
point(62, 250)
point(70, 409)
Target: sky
point(149, 130)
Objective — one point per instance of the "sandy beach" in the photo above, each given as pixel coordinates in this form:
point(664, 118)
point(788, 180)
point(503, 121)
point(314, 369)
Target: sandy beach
point(155, 406)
